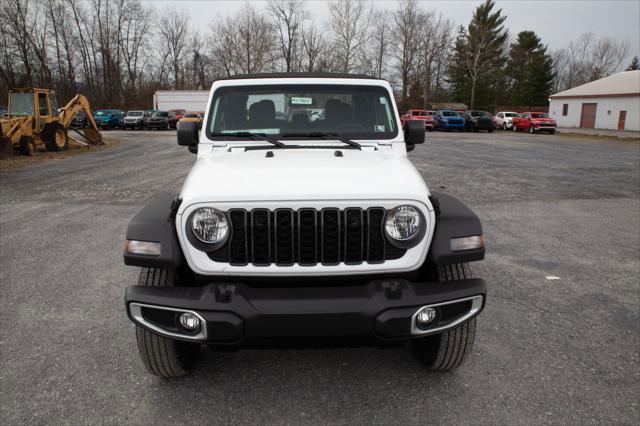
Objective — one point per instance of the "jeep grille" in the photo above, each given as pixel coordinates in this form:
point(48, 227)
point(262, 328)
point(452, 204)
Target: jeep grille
point(307, 237)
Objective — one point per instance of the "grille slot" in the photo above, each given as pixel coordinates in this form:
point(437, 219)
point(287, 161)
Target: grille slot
point(307, 237)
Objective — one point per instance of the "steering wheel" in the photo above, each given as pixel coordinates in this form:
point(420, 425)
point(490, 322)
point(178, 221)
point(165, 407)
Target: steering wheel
point(351, 126)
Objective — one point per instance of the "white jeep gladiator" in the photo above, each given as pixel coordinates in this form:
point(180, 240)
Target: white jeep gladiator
point(302, 222)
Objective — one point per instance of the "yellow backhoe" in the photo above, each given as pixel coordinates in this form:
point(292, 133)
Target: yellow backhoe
point(34, 119)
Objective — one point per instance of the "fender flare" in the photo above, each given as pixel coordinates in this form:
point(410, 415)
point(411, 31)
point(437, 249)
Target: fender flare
point(453, 220)
point(155, 222)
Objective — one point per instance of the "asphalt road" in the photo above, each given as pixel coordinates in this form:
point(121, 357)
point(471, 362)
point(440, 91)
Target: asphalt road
point(562, 351)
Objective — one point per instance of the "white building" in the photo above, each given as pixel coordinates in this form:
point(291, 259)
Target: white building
point(609, 103)
point(190, 100)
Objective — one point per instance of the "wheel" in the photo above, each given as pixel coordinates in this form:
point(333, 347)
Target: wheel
point(162, 356)
point(56, 139)
point(448, 350)
point(504, 126)
point(27, 146)
point(531, 129)
point(552, 132)
point(513, 126)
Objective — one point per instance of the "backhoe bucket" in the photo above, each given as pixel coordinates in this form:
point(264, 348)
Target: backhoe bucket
point(6, 147)
point(93, 136)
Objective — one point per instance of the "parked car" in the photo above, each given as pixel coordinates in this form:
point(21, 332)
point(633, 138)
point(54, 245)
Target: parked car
point(80, 120)
point(174, 116)
point(303, 236)
point(448, 119)
point(478, 120)
point(109, 118)
point(503, 119)
point(534, 122)
point(195, 117)
point(419, 114)
point(159, 120)
point(136, 119)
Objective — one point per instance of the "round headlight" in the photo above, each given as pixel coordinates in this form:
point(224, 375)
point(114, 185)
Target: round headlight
point(209, 225)
point(403, 223)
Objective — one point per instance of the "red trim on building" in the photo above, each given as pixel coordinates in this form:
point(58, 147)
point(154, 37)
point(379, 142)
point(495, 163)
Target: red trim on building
point(610, 95)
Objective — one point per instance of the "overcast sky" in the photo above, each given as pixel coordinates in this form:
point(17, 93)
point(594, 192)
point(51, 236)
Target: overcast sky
point(557, 22)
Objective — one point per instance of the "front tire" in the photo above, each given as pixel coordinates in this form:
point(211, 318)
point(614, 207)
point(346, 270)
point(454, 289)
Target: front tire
point(162, 356)
point(56, 139)
point(449, 350)
point(531, 131)
point(504, 126)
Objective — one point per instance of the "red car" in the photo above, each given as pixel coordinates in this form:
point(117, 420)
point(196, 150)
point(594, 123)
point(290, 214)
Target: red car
point(419, 114)
point(534, 122)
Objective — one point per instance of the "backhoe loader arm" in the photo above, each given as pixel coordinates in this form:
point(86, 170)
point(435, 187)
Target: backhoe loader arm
point(75, 105)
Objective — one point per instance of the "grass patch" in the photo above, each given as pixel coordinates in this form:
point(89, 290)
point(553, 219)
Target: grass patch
point(17, 161)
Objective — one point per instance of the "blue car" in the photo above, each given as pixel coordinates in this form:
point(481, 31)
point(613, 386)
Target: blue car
point(448, 119)
point(109, 118)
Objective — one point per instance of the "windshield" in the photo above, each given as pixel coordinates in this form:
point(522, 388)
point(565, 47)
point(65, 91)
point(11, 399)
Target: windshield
point(511, 114)
point(449, 114)
point(357, 112)
point(479, 113)
point(102, 113)
point(160, 114)
point(190, 114)
point(420, 113)
point(134, 113)
point(21, 104)
point(539, 115)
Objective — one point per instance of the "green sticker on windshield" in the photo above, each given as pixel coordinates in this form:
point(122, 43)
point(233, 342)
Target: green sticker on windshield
point(301, 101)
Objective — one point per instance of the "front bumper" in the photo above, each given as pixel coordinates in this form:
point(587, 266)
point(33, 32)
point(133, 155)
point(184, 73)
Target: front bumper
point(157, 124)
point(452, 125)
point(237, 314)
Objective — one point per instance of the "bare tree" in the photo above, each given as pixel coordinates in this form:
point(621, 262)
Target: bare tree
point(607, 55)
point(437, 36)
point(313, 47)
point(380, 40)
point(407, 24)
point(288, 16)
point(348, 22)
point(174, 33)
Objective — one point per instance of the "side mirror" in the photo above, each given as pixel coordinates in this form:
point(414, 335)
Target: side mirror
point(413, 133)
point(188, 134)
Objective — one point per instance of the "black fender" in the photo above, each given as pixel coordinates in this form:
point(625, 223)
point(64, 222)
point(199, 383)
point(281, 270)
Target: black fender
point(453, 220)
point(155, 222)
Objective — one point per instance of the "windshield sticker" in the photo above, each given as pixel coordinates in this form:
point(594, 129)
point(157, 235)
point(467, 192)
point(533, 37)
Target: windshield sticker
point(379, 128)
point(301, 101)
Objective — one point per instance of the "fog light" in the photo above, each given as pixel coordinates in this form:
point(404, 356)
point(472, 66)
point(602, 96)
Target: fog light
point(189, 321)
point(425, 317)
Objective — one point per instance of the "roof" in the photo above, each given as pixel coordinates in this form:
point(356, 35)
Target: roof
point(298, 75)
point(448, 105)
point(625, 83)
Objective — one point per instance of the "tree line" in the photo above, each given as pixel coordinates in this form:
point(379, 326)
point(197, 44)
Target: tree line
point(119, 52)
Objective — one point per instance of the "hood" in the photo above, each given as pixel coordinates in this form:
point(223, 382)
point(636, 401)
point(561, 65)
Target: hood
point(303, 174)
point(543, 120)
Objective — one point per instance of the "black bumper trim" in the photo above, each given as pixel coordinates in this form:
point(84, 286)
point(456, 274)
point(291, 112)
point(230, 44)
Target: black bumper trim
point(247, 314)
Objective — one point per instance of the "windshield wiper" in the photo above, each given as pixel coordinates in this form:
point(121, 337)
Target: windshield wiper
point(324, 136)
point(252, 136)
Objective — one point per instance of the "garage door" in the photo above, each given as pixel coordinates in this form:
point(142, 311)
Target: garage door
point(588, 118)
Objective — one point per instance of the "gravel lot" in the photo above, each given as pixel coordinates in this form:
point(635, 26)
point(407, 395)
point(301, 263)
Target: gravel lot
point(548, 351)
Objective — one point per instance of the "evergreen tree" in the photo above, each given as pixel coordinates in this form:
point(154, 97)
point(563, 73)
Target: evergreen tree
point(486, 38)
point(458, 75)
point(529, 71)
point(634, 65)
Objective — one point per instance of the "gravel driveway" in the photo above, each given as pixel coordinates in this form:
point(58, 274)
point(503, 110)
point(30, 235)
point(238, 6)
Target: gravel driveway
point(557, 351)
